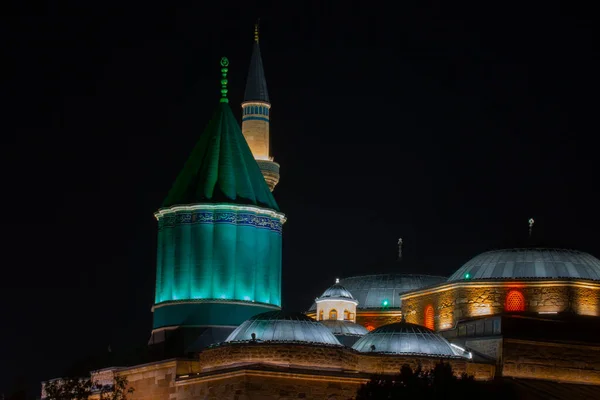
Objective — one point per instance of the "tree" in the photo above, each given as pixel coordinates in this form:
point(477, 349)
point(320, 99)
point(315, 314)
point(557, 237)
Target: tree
point(83, 388)
point(438, 383)
point(119, 391)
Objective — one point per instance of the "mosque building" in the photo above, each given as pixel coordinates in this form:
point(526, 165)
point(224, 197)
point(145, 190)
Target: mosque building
point(531, 314)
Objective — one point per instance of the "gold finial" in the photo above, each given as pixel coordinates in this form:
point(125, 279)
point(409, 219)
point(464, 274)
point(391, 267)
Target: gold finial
point(256, 32)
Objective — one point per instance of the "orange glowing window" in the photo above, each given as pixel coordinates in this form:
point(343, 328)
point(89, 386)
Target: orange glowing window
point(346, 314)
point(429, 317)
point(370, 328)
point(333, 314)
point(320, 315)
point(515, 301)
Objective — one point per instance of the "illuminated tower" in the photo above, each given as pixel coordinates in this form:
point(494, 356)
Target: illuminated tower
point(256, 110)
point(219, 240)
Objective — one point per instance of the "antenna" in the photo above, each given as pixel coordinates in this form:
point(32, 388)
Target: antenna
point(400, 248)
point(531, 222)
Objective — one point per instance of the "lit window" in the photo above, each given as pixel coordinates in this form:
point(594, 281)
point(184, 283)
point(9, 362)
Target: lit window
point(333, 314)
point(320, 315)
point(346, 314)
point(370, 328)
point(429, 317)
point(515, 301)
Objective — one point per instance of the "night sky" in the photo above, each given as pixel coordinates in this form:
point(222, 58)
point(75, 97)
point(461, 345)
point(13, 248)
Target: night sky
point(448, 127)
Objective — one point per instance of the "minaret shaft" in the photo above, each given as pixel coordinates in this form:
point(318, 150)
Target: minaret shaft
point(255, 127)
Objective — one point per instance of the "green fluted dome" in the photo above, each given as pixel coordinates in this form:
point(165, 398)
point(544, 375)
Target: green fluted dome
point(221, 168)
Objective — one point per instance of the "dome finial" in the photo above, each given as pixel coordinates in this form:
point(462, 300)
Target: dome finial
point(531, 222)
point(224, 69)
point(337, 280)
point(256, 30)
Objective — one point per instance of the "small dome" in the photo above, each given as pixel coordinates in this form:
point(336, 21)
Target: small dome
point(404, 338)
point(530, 263)
point(344, 328)
point(280, 326)
point(337, 291)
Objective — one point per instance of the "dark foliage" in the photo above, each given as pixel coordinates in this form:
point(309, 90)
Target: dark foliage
point(438, 383)
point(83, 388)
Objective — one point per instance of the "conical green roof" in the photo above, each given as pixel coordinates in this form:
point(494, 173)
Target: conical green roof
point(221, 168)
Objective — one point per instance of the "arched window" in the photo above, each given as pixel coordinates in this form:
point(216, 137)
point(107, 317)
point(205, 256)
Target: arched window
point(320, 316)
point(429, 317)
point(333, 314)
point(515, 301)
point(346, 314)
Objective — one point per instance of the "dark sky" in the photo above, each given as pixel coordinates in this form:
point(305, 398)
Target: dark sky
point(449, 127)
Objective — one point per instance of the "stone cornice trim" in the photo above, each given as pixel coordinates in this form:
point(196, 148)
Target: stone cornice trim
point(507, 283)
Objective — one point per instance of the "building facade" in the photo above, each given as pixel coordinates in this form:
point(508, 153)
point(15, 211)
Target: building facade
point(529, 314)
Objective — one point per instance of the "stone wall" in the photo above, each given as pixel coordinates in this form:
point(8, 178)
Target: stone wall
point(463, 300)
point(324, 359)
point(491, 347)
point(377, 319)
point(274, 371)
point(152, 381)
point(552, 361)
point(320, 357)
point(252, 384)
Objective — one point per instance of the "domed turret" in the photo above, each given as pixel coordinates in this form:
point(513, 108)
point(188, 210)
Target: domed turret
point(281, 326)
point(336, 303)
point(404, 338)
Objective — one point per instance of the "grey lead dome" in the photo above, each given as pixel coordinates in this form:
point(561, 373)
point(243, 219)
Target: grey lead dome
point(281, 326)
point(530, 263)
point(404, 338)
point(372, 290)
point(336, 291)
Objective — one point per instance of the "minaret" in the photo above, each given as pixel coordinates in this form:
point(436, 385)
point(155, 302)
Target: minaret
point(219, 241)
point(256, 110)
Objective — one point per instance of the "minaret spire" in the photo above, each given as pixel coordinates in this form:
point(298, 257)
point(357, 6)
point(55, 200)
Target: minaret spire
point(256, 110)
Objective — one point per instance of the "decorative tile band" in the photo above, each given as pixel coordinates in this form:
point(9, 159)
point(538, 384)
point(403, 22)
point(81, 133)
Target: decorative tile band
point(222, 214)
point(251, 118)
